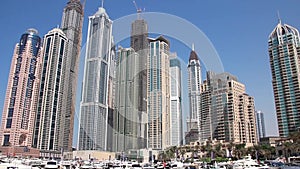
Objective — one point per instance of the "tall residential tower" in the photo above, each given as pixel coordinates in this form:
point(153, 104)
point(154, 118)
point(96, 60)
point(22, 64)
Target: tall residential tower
point(94, 106)
point(175, 98)
point(260, 124)
point(49, 124)
point(232, 115)
point(22, 92)
point(158, 88)
point(71, 25)
point(194, 86)
point(284, 52)
point(139, 42)
point(128, 125)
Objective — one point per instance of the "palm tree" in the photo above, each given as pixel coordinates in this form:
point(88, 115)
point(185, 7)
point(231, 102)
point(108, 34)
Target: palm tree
point(218, 150)
point(239, 150)
point(287, 147)
point(295, 137)
point(182, 151)
point(208, 148)
point(170, 152)
point(230, 147)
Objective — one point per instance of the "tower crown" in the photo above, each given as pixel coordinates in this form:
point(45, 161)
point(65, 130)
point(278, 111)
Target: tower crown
point(101, 11)
point(32, 31)
point(193, 56)
point(282, 29)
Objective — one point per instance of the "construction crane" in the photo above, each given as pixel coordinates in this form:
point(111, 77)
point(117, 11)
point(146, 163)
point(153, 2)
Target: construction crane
point(83, 5)
point(138, 10)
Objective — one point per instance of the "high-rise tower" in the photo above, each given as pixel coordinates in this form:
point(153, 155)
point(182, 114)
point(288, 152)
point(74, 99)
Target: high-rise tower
point(194, 86)
point(175, 98)
point(71, 25)
point(260, 124)
point(158, 101)
point(284, 53)
point(232, 115)
point(49, 125)
point(93, 123)
point(139, 42)
point(128, 125)
point(22, 92)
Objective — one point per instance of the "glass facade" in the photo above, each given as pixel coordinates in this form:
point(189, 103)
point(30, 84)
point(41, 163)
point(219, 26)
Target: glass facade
point(48, 131)
point(93, 131)
point(175, 98)
point(284, 54)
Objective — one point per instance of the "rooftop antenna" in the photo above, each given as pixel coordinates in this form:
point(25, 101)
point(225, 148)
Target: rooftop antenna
point(138, 10)
point(193, 47)
point(102, 3)
point(278, 15)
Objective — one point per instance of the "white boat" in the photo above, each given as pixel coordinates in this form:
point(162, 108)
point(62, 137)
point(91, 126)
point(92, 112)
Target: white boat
point(51, 165)
point(248, 163)
point(87, 165)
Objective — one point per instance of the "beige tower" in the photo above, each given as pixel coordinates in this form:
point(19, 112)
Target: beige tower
point(158, 92)
point(232, 111)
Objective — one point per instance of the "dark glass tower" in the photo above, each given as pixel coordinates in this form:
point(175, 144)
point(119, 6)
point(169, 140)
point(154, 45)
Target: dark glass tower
point(72, 26)
point(139, 42)
point(284, 52)
point(47, 131)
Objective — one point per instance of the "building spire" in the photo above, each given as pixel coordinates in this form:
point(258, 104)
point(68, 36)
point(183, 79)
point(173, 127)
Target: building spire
point(193, 47)
point(102, 3)
point(278, 15)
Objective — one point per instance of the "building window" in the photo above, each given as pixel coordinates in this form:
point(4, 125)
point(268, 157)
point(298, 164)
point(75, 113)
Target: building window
point(6, 140)
point(8, 123)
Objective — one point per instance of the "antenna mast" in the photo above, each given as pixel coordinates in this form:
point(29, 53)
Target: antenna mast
point(102, 3)
point(278, 15)
point(138, 10)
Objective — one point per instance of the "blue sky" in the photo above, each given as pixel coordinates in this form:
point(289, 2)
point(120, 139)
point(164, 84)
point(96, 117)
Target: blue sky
point(238, 30)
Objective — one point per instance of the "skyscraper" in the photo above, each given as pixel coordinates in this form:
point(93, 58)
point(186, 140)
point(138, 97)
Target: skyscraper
point(158, 101)
point(139, 42)
point(194, 86)
point(175, 98)
point(22, 91)
point(205, 115)
point(232, 113)
point(284, 52)
point(260, 124)
point(48, 130)
point(93, 123)
point(128, 125)
point(71, 25)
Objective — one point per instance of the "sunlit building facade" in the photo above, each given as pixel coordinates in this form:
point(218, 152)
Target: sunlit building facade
point(158, 101)
point(93, 122)
point(260, 124)
point(48, 130)
point(176, 127)
point(284, 53)
point(22, 91)
point(232, 111)
point(71, 25)
point(194, 90)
